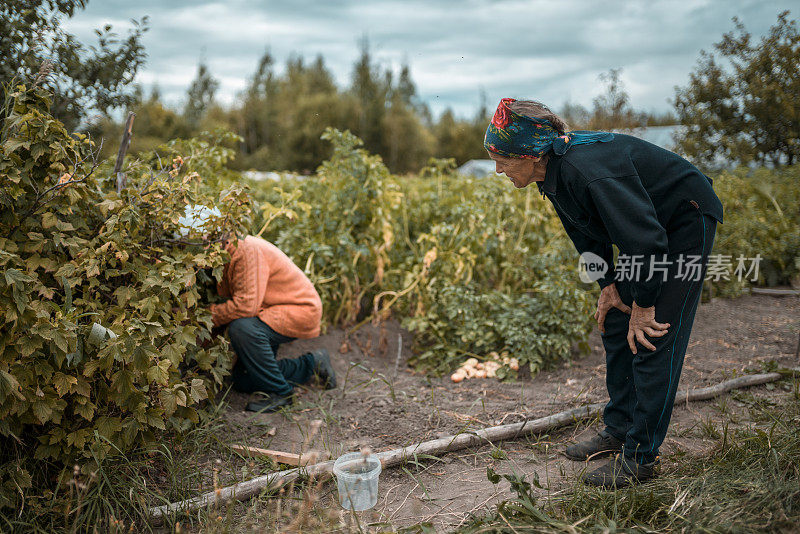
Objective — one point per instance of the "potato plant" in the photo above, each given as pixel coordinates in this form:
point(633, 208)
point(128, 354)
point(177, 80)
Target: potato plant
point(341, 227)
point(470, 265)
point(762, 217)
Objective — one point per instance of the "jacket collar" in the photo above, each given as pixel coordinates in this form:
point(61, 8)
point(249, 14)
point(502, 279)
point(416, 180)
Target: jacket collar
point(548, 185)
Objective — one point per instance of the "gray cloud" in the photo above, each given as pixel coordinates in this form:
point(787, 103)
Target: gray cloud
point(552, 51)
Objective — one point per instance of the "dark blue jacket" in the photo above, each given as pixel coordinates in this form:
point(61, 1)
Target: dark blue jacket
point(633, 194)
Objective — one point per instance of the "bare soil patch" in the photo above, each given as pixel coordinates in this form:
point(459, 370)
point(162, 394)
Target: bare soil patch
point(382, 404)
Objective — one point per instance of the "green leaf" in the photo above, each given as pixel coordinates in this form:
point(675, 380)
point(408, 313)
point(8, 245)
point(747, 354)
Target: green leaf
point(14, 276)
point(168, 400)
point(85, 410)
point(159, 373)
point(493, 477)
point(198, 390)
point(180, 396)
point(61, 341)
point(29, 344)
point(9, 384)
point(155, 420)
point(108, 426)
point(49, 219)
point(15, 143)
point(43, 411)
point(63, 383)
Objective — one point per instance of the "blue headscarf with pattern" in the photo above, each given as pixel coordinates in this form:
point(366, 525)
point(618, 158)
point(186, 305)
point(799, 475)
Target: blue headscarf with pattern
point(517, 136)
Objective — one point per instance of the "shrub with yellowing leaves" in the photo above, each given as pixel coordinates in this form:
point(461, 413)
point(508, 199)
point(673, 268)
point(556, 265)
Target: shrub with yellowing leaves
point(103, 296)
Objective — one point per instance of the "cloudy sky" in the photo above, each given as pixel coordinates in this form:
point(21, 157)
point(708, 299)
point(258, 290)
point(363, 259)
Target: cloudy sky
point(552, 51)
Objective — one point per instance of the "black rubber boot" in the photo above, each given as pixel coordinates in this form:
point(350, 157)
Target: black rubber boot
point(271, 403)
point(600, 445)
point(323, 369)
point(620, 472)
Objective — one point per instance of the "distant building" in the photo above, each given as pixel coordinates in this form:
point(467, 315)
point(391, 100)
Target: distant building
point(260, 176)
point(478, 168)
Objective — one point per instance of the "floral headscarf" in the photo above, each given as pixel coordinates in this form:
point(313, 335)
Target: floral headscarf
point(517, 136)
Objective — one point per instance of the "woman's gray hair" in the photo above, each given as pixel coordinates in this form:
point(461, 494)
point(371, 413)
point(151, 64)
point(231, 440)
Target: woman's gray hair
point(537, 110)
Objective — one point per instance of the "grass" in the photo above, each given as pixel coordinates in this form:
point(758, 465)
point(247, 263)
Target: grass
point(115, 494)
point(749, 483)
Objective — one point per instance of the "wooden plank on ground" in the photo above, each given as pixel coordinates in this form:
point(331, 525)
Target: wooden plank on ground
point(281, 457)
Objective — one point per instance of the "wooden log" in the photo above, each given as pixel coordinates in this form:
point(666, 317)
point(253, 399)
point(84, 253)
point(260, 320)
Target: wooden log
point(775, 292)
point(127, 134)
point(245, 490)
point(287, 458)
point(735, 383)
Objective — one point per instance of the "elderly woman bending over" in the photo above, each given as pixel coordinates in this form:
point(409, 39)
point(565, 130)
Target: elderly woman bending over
point(661, 213)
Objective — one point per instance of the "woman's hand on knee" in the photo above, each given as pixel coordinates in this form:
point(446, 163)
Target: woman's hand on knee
point(643, 322)
point(609, 298)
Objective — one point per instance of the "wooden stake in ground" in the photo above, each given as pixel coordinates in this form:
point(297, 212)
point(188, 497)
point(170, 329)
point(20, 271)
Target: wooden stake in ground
point(127, 134)
point(251, 488)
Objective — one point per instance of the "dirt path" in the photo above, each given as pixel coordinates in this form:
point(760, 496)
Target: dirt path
point(374, 407)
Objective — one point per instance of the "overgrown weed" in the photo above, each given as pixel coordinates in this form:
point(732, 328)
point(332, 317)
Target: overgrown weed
point(116, 495)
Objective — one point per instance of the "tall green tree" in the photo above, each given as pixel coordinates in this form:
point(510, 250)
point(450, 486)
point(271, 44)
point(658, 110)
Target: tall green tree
point(460, 139)
point(256, 120)
point(745, 105)
point(283, 116)
point(409, 144)
point(612, 109)
point(200, 95)
point(155, 122)
point(83, 79)
point(371, 91)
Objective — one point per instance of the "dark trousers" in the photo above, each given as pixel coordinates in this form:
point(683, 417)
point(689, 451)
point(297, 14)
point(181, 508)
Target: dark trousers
point(257, 368)
point(642, 388)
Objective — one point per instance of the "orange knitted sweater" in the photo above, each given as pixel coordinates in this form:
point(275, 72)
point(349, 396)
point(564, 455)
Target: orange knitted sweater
point(262, 282)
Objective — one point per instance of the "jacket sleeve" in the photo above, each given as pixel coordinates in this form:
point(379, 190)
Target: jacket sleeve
point(222, 288)
point(247, 285)
point(584, 243)
point(631, 222)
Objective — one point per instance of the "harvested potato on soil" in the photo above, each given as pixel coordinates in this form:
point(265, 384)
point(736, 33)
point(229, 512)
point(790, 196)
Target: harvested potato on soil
point(473, 368)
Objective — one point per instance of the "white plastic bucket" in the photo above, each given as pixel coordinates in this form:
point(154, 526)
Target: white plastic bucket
point(357, 480)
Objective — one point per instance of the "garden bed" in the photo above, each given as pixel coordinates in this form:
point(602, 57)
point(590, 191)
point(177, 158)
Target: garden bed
point(376, 409)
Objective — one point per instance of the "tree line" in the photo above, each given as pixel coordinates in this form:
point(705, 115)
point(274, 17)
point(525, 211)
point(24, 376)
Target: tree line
point(739, 104)
point(281, 116)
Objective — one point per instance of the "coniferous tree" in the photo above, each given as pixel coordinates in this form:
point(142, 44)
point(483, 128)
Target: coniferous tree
point(371, 92)
point(200, 95)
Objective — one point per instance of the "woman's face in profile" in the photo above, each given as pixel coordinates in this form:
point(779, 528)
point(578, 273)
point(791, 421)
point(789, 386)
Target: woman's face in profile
point(521, 171)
